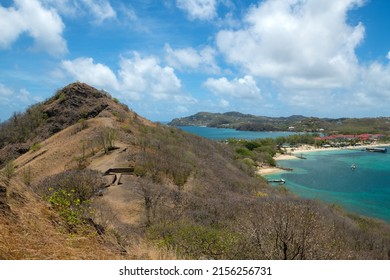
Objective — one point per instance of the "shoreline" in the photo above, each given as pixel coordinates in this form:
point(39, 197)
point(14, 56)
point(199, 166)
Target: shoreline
point(294, 153)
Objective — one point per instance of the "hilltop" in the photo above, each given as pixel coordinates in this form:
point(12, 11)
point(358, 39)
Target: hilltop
point(85, 177)
point(296, 123)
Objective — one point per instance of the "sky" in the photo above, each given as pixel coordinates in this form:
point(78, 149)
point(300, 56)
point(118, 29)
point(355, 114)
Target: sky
point(174, 58)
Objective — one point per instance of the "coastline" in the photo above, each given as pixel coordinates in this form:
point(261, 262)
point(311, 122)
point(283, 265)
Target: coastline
point(294, 153)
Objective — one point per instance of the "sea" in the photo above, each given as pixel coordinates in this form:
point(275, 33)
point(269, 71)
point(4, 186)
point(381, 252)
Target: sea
point(327, 175)
point(229, 133)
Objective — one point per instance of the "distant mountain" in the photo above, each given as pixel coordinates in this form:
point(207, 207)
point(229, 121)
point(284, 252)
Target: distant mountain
point(297, 123)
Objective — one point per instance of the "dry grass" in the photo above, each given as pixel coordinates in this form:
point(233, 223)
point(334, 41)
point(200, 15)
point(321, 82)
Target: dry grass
point(34, 231)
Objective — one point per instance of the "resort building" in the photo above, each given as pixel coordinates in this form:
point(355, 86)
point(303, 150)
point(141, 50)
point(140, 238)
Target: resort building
point(342, 139)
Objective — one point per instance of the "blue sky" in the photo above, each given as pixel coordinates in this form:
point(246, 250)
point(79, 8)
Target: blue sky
point(173, 58)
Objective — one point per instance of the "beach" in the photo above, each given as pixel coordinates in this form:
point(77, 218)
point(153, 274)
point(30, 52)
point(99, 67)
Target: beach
point(295, 153)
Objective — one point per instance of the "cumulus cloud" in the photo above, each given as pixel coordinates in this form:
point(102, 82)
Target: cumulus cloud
point(388, 55)
point(191, 59)
point(369, 94)
point(137, 78)
point(145, 75)
point(244, 88)
point(30, 17)
point(374, 86)
point(199, 9)
point(302, 44)
point(84, 69)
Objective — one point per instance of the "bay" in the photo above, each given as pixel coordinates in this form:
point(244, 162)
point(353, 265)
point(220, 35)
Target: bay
point(327, 176)
point(227, 133)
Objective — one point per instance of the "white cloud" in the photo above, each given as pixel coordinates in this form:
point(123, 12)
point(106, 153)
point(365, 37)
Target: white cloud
point(189, 58)
point(244, 88)
point(26, 97)
point(69, 8)
point(374, 86)
point(224, 103)
point(301, 44)
point(13, 98)
point(145, 75)
point(5, 91)
point(100, 10)
point(137, 78)
point(369, 95)
point(84, 69)
point(42, 24)
point(388, 55)
point(199, 9)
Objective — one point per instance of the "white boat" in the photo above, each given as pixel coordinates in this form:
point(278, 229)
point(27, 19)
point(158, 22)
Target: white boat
point(281, 181)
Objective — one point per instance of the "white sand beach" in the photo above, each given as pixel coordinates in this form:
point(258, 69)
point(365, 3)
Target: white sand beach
point(294, 153)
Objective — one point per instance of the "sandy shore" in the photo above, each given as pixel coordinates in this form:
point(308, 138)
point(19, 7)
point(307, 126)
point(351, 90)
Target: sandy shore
point(268, 170)
point(309, 148)
point(296, 152)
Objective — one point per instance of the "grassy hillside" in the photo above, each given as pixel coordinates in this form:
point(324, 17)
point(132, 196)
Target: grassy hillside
point(105, 183)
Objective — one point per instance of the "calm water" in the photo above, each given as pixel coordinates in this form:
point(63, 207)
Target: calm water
point(327, 176)
point(226, 133)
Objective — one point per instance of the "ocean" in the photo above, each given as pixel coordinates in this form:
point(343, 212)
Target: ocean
point(327, 175)
point(226, 133)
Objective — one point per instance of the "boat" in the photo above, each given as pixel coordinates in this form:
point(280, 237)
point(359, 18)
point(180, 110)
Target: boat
point(281, 181)
point(353, 166)
point(377, 150)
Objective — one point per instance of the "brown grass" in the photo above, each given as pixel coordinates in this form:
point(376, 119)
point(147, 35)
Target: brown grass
point(34, 231)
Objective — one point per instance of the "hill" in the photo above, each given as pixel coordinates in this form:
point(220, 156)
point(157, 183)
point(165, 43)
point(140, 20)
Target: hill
point(297, 123)
point(84, 177)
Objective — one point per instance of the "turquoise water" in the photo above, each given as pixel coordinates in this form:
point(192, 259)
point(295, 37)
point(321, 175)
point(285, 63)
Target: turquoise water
point(328, 176)
point(226, 133)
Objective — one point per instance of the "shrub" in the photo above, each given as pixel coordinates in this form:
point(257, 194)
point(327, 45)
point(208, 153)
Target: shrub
point(196, 241)
point(35, 147)
point(70, 192)
point(244, 152)
point(82, 124)
point(107, 137)
point(69, 206)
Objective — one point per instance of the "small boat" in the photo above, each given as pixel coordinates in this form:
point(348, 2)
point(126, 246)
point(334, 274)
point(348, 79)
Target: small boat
point(281, 181)
point(377, 150)
point(353, 166)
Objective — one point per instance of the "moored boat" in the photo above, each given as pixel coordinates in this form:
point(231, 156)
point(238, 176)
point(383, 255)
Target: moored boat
point(377, 150)
point(281, 181)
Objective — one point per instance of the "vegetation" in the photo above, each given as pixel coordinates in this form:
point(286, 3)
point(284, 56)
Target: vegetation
point(261, 151)
point(107, 137)
point(228, 214)
point(69, 193)
point(21, 127)
point(293, 123)
point(9, 170)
